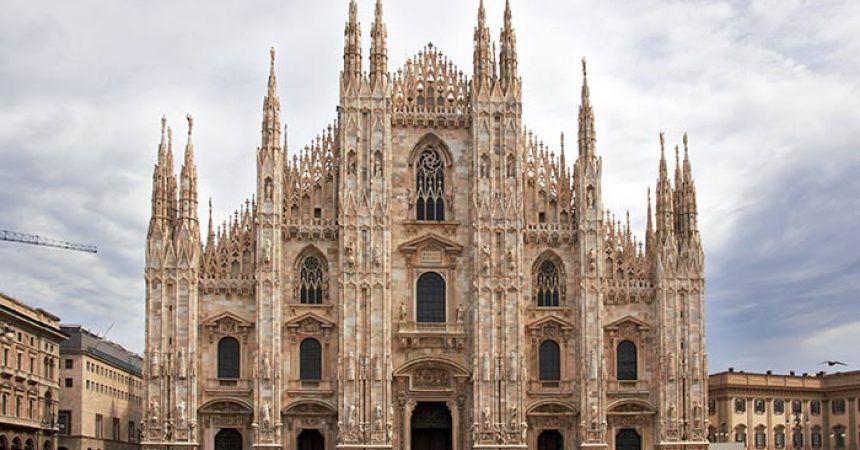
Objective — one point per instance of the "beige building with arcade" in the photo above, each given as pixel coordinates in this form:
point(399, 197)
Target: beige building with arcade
point(101, 394)
point(30, 345)
point(770, 411)
point(427, 274)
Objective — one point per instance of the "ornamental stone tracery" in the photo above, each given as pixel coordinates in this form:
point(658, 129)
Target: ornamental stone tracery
point(424, 171)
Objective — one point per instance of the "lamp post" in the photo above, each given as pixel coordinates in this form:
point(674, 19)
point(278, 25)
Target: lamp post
point(796, 427)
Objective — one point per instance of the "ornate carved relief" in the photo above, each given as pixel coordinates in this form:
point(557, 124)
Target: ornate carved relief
point(227, 324)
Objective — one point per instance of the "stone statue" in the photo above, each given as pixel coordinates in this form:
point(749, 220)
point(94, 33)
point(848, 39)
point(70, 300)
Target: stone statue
point(377, 256)
point(402, 312)
point(512, 261)
point(349, 254)
point(485, 417)
point(350, 416)
point(514, 413)
point(377, 417)
point(459, 313)
point(592, 260)
point(181, 367)
point(266, 414)
point(180, 412)
point(485, 263)
point(153, 411)
point(524, 430)
point(476, 433)
point(267, 366)
point(192, 427)
point(670, 361)
point(267, 251)
point(154, 364)
point(267, 189)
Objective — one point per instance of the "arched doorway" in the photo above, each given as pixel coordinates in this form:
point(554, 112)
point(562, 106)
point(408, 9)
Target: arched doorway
point(431, 426)
point(16, 443)
point(4, 443)
point(550, 440)
point(29, 445)
point(310, 440)
point(628, 439)
point(228, 439)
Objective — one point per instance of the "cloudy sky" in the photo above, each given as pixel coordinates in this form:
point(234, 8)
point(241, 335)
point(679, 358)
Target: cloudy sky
point(767, 89)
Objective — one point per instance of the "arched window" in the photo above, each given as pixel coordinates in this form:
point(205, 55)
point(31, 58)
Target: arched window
point(310, 360)
point(430, 298)
point(548, 284)
point(760, 438)
point(626, 361)
point(311, 279)
point(839, 436)
point(549, 361)
point(430, 186)
point(779, 437)
point(228, 358)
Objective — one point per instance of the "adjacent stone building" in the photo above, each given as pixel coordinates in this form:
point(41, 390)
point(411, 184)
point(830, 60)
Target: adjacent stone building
point(426, 274)
point(101, 394)
point(768, 411)
point(30, 344)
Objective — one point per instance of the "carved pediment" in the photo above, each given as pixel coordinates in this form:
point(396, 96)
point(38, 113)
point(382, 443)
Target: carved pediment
point(227, 324)
point(552, 408)
point(309, 323)
point(431, 241)
point(226, 407)
point(310, 408)
point(630, 407)
point(628, 322)
point(549, 327)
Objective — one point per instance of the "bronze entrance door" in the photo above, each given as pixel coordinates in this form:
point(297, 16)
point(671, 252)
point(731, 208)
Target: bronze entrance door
point(628, 439)
point(228, 439)
point(310, 440)
point(431, 427)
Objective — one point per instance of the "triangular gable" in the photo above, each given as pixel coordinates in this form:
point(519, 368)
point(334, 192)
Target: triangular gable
point(297, 321)
point(640, 325)
point(550, 319)
point(448, 245)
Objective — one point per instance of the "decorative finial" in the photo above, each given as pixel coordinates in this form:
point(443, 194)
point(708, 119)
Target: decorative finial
point(272, 56)
point(584, 68)
point(190, 123)
point(662, 142)
point(685, 142)
point(163, 122)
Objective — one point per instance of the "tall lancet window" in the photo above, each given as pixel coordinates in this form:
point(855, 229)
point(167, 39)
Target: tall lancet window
point(548, 284)
point(430, 186)
point(311, 279)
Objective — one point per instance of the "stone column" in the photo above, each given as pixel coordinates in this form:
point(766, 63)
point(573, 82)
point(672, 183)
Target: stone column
point(852, 424)
point(455, 424)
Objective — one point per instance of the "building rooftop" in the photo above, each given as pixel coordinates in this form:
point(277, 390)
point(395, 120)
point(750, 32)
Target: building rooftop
point(82, 340)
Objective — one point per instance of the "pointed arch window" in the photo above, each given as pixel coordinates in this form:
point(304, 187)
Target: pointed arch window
point(626, 361)
point(548, 285)
point(430, 186)
point(311, 281)
point(310, 360)
point(430, 298)
point(549, 361)
point(228, 358)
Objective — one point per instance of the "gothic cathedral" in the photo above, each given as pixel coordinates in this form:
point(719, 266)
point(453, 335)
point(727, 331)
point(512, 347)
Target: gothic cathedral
point(424, 275)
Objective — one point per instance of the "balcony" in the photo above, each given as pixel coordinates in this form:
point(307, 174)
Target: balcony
point(444, 335)
point(223, 386)
point(540, 388)
point(310, 388)
point(627, 388)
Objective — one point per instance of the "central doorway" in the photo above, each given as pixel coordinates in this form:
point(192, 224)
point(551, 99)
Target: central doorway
point(550, 440)
point(310, 440)
point(431, 426)
point(628, 439)
point(228, 439)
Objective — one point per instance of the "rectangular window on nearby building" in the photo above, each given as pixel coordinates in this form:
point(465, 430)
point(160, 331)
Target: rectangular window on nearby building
point(796, 407)
point(64, 421)
point(759, 406)
point(17, 406)
point(712, 407)
point(778, 406)
point(99, 426)
point(18, 362)
point(68, 382)
point(131, 431)
point(740, 405)
point(116, 431)
point(815, 407)
point(838, 406)
point(69, 364)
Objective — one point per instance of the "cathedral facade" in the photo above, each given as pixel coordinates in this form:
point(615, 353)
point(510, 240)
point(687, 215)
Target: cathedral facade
point(424, 275)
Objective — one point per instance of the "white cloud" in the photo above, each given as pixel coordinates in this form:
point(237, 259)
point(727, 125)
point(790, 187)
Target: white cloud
point(765, 88)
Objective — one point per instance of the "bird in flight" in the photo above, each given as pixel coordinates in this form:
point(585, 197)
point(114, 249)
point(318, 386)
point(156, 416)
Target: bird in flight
point(832, 363)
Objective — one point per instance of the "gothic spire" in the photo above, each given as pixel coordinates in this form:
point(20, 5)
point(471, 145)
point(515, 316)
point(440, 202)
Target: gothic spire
point(352, 45)
point(587, 135)
point(508, 56)
point(210, 232)
point(691, 207)
point(481, 60)
point(665, 215)
point(188, 179)
point(271, 129)
point(649, 227)
point(378, 47)
point(162, 180)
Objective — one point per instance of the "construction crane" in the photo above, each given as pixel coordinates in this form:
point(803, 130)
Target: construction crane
point(32, 239)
